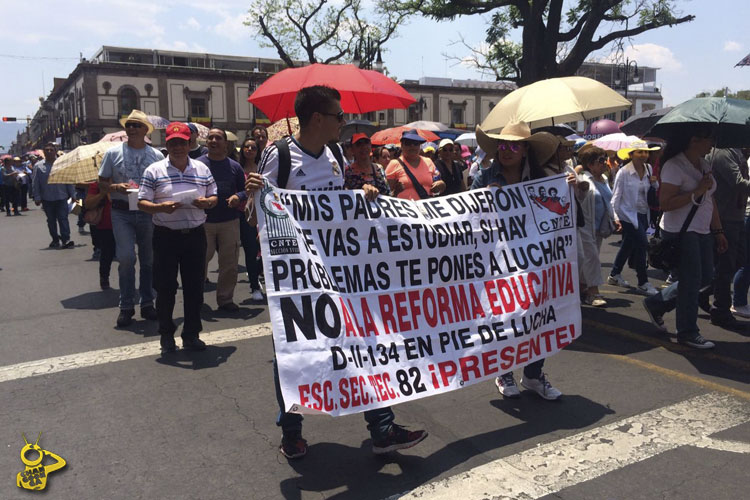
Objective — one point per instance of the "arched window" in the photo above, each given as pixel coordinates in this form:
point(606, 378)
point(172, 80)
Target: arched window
point(128, 101)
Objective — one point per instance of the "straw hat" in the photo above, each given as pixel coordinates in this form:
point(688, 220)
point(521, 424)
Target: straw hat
point(624, 153)
point(140, 117)
point(543, 144)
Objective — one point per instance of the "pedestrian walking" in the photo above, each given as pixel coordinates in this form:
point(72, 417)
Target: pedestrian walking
point(249, 232)
point(121, 169)
point(687, 197)
point(179, 234)
point(630, 205)
point(222, 229)
point(97, 201)
point(321, 118)
point(411, 176)
point(10, 187)
point(53, 198)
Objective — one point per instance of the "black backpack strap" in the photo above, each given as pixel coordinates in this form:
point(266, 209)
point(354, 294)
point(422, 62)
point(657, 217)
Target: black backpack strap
point(414, 182)
point(690, 216)
point(336, 151)
point(285, 162)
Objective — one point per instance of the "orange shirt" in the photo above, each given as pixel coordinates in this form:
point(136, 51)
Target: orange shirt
point(424, 173)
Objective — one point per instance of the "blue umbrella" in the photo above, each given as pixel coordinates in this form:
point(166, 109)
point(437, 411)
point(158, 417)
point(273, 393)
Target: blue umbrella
point(728, 120)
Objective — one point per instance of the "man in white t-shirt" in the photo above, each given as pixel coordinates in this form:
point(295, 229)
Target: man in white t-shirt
point(314, 167)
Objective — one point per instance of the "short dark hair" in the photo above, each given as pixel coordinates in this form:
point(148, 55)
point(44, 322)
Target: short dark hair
point(315, 99)
point(260, 128)
point(223, 132)
point(50, 143)
point(590, 155)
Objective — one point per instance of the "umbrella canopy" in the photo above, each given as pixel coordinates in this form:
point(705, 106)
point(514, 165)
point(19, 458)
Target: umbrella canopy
point(354, 126)
point(641, 123)
point(202, 130)
point(393, 136)
point(157, 121)
point(282, 129)
point(80, 165)
point(469, 139)
point(729, 120)
point(428, 125)
point(120, 136)
point(615, 142)
point(561, 130)
point(361, 90)
point(553, 101)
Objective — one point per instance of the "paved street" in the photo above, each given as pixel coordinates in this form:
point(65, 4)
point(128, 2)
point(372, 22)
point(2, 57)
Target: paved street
point(642, 417)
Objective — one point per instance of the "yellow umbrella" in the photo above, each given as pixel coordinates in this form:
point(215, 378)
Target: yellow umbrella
point(80, 165)
point(555, 101)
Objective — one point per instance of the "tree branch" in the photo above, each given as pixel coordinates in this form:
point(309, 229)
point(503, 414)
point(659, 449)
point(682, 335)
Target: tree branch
point(603, 41)
point(279, 49)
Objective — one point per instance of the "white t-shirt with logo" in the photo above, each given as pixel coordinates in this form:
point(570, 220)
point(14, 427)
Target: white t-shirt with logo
point(307, 172)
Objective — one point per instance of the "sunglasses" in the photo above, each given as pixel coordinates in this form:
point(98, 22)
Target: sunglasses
point(133, 125)
point(448, 149)
point(339, 116)
point(251, 148)
point(512, 146)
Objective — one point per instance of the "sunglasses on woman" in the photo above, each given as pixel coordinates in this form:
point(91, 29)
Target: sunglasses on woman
point(251, 148)
point(513, 147)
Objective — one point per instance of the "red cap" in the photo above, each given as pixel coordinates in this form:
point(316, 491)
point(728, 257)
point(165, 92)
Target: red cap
point(178, 130)
point(358, 137)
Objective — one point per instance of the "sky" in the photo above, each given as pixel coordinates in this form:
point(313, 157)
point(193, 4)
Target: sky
point(42, 39)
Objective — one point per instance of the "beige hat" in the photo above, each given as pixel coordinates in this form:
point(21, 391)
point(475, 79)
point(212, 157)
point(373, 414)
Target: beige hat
point(543, 144)
point(624, 153)
point(445, 142)
point(140, 117)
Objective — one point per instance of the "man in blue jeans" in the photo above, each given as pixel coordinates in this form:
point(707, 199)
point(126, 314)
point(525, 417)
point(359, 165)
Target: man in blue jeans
point(122, 168)
point(320, 117)
point(53, 198)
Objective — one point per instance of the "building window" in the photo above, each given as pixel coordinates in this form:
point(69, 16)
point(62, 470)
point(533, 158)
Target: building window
point(609, 116)
point(648, 106)
point(198, 106)
point(412, 114)
point(458, 112)
point(128, 101)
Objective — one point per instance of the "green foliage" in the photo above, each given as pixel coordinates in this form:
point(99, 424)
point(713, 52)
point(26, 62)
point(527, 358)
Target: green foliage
point(740, 94)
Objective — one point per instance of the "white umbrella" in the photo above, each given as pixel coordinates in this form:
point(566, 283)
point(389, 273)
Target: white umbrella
point(469, 139)
point(428, 125)
point(615, 142)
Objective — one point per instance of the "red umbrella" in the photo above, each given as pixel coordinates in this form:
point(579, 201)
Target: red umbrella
point(361, 90)
point(393, 135)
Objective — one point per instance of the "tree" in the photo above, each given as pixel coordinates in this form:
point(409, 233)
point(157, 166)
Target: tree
point(725, 92)
point(554, 42)
point(313, 31)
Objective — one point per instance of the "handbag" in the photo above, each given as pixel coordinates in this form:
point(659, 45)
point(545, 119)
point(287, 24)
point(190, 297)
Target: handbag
point(651, 199)
point(663, 253)
point(93, 216)
point(607, 226)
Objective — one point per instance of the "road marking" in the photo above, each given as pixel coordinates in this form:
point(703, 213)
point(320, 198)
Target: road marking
point(669, 372)
point(111, 355)
point(660, 342)
point(554, 466)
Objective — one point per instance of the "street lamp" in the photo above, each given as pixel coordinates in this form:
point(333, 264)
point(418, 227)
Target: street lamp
point(622, 72)
point(369, 51)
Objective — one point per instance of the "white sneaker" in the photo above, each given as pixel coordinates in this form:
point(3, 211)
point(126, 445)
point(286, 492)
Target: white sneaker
point(506, 384)
point(742, 311)
point(648, 289)
point(256, 295)
point(617, 280)
point(541, 386)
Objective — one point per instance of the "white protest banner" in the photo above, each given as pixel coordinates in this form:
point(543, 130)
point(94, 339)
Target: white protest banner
point(377, 303)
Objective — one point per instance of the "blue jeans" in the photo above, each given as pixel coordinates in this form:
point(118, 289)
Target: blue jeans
point(57, 213)
point(131, 228)
point(695, 270)
point(742, 277)
point(379, 421)
point(635, 242)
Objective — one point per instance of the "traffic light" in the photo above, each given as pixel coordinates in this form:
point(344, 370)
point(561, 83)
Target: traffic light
point(9, 118)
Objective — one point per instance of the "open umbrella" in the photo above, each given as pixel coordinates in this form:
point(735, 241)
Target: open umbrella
point(361, 90)
point(157, 121)
point(120, 136)
point(393, 135)
point(80, 165)
point(615, 142)
point(469, 139)
point(553, 101)
point(428, 125)
point(354, 126)
point(641, 123)
point(282, 129)
point(729, 120)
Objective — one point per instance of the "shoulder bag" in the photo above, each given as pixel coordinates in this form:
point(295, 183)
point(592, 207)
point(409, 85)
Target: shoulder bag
point(415, 183)
point(663, 253)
